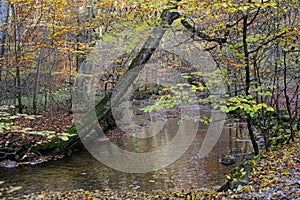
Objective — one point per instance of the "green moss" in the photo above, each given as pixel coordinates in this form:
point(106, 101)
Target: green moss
point(54, 146)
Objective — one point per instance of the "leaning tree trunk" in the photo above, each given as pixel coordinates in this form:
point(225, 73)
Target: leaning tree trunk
point(103, 111)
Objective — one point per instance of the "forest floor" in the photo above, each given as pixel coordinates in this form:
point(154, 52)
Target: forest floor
point(276, 175)
point(29, 139)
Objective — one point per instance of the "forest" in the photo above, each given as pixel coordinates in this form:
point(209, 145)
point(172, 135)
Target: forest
point(89, 75)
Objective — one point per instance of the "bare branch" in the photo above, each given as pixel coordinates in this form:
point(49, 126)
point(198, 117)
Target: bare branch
point(202, 35)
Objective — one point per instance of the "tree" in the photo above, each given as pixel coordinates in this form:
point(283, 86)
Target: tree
point(3, 21)
point(241, 40)
point(254, 43)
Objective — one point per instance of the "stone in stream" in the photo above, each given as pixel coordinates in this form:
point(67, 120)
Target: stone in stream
point(136, 185)
point(225, 160)
point(8, 164)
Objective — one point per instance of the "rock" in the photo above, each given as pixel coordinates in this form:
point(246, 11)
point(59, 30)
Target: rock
point(234, 150)
point(139, 112)
point(136, 187)
point(249, 156)
point(8, 164)
point(228, 160)
point(135, 183)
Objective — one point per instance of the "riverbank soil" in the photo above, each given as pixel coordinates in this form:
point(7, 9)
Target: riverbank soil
point(276, 175)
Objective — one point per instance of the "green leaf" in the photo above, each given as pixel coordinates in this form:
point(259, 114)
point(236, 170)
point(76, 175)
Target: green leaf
point(147, 109)
point(30, 117)
point(50, 136)
point(14, 117)
point(13, 189)
point(64, 138)
point(244, 8)
point(37, 133)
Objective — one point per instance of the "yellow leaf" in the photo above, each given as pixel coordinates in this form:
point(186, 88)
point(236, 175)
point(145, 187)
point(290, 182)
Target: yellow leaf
point(243, 174)
point(254, 171)
point(285, 172)
point(232, 10)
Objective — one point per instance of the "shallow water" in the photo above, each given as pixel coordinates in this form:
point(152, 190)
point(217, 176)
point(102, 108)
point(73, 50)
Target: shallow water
point(83, 171)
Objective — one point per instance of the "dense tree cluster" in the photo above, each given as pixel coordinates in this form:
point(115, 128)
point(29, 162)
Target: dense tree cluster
point(254, 43)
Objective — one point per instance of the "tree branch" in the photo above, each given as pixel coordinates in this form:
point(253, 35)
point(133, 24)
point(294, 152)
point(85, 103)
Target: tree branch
point(202, 35)
point(153, 40)
point(266, 42)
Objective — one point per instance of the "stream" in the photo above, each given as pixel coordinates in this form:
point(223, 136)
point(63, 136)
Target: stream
point(83, 171)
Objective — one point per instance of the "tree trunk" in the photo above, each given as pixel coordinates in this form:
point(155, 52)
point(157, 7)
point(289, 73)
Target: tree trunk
point(103, 111)
point(16, 51)
point(38, 73)
point(3, 22)
point(247, 88)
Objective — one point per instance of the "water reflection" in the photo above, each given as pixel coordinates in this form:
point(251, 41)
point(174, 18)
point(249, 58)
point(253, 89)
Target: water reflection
point(83, 171)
